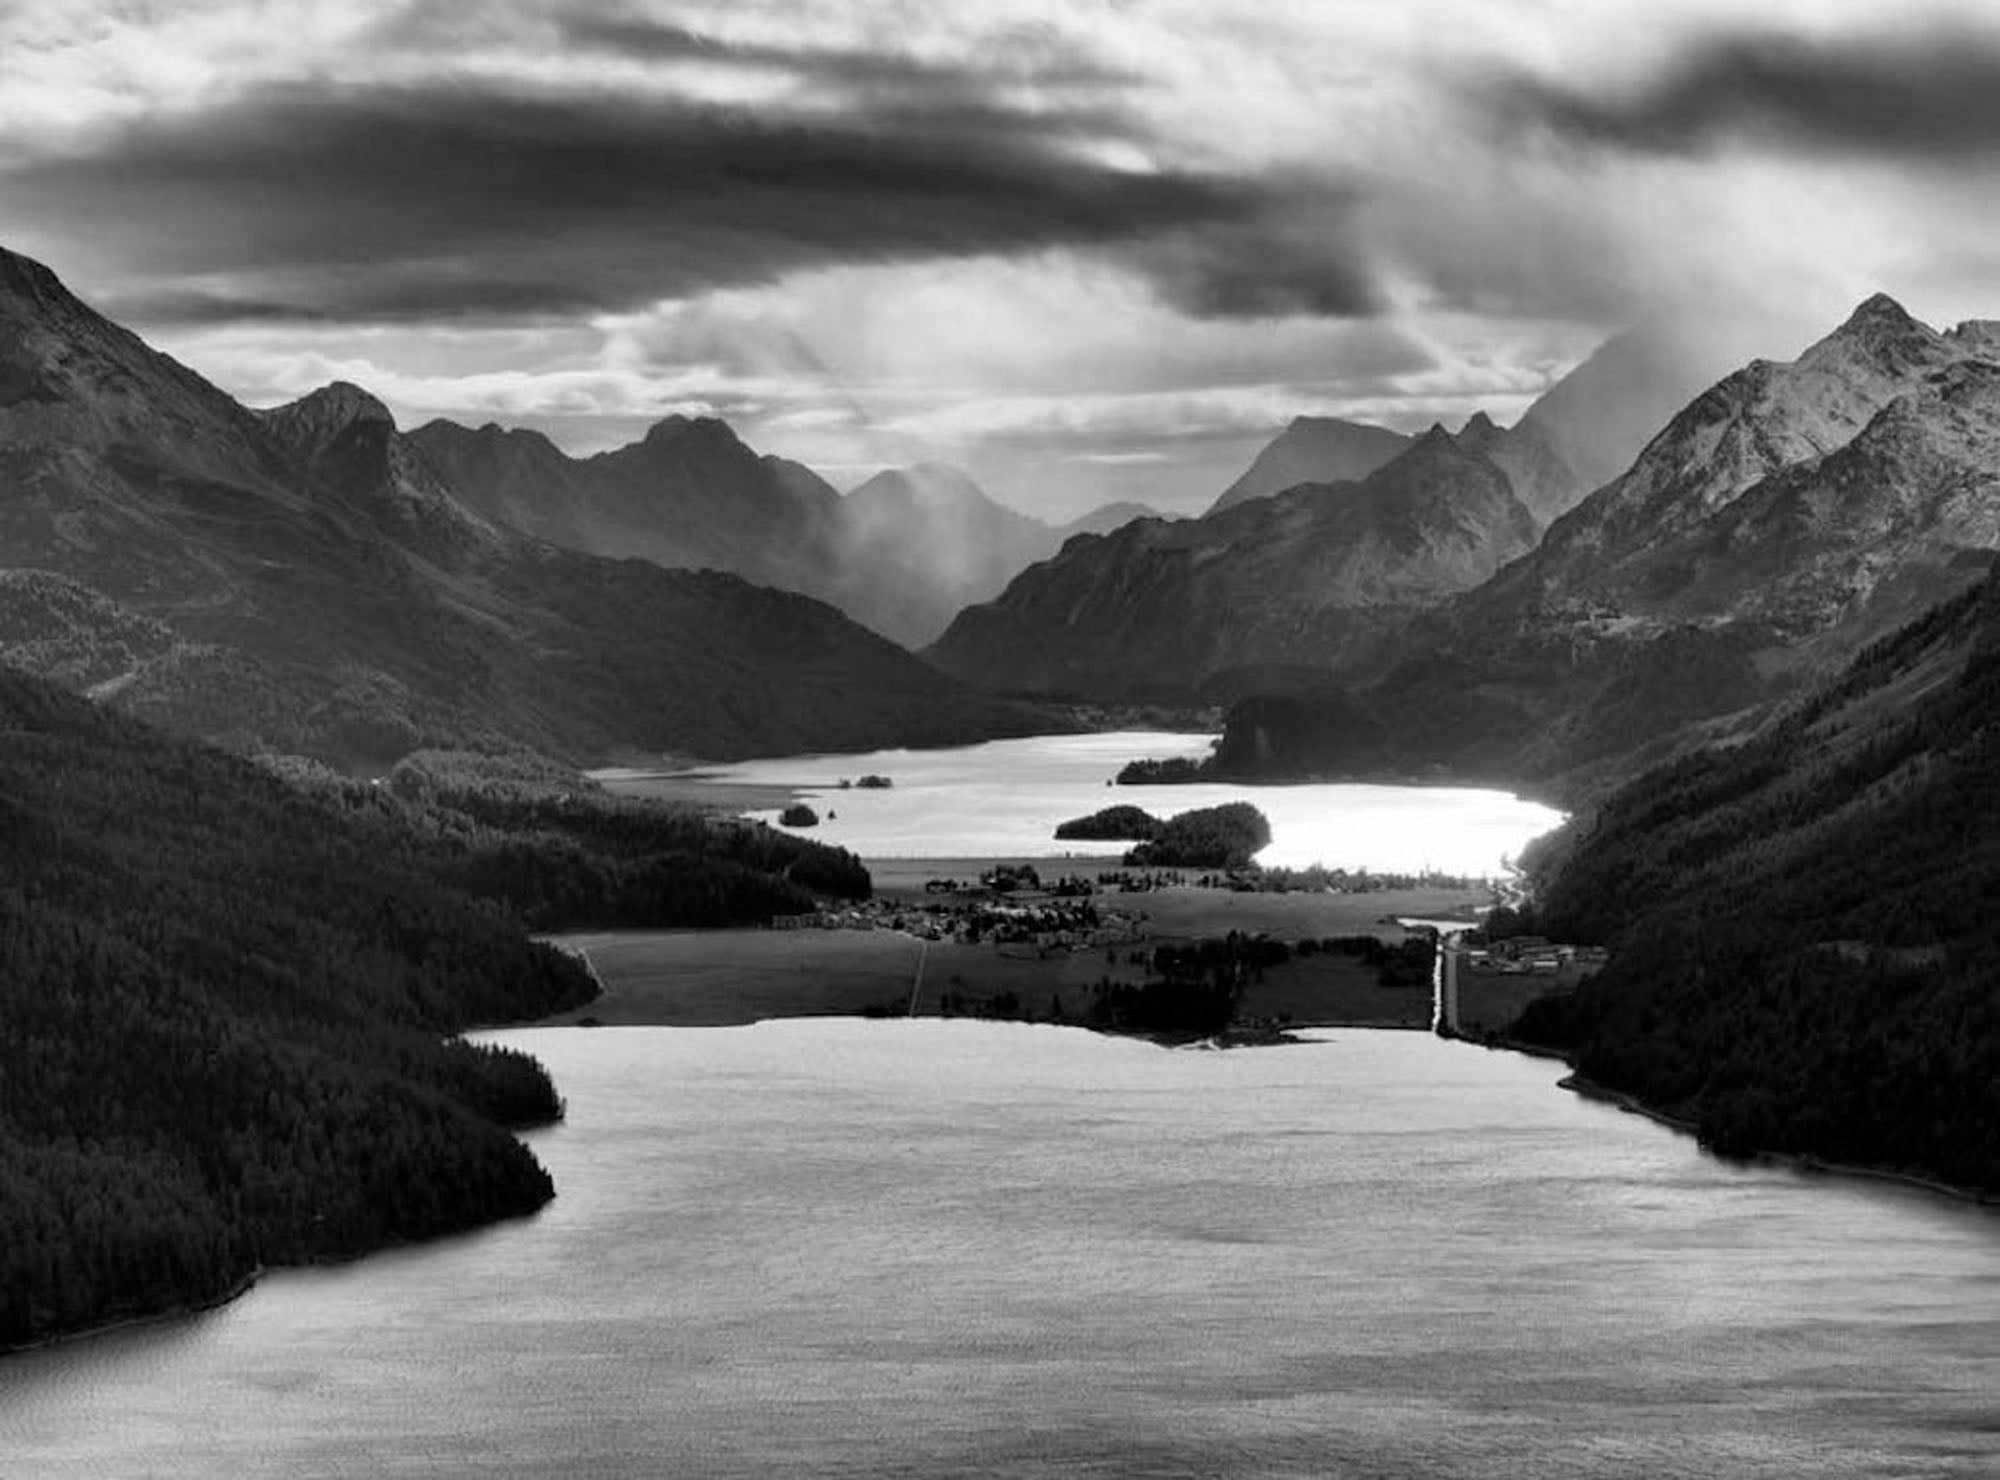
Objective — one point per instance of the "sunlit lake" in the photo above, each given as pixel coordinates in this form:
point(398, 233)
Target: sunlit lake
point(1005, 798)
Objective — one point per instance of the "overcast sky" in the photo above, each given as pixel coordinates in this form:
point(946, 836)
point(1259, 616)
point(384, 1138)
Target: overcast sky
point(1089, 250)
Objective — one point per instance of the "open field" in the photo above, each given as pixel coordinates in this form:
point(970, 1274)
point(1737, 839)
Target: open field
point(1334, 990)
point(1180, 914)
point(695, 978)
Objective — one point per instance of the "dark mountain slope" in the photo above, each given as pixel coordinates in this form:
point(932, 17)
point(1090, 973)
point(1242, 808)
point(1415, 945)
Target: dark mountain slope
point(1804, 925)
point(327, 591)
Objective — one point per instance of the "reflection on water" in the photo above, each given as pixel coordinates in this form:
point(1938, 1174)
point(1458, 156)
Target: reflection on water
point(1004, 798)
point(934, 1248)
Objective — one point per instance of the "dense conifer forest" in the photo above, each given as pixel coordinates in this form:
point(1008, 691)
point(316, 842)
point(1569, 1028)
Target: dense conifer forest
point(1805, 927)
point(229, 996)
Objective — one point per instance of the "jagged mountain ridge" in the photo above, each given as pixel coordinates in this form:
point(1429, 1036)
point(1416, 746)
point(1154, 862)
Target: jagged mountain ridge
point(327, 592)
point(1294, 580)
point(901, 553)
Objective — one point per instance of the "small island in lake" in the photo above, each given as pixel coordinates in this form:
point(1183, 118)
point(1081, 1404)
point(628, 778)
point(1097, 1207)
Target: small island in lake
point(1225, 837)
point(1122, 824)
point(1177, 771)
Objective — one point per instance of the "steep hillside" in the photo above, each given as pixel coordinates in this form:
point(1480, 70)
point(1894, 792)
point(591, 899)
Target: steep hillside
point(1303, 578)
point(306, 578)
point(1803, 925)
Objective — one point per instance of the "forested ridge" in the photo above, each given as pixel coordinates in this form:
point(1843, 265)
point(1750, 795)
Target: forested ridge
point(1805, 927)
point(226, 997)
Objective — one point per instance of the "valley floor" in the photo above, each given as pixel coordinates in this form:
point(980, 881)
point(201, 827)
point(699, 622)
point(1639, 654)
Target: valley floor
point(713, 978)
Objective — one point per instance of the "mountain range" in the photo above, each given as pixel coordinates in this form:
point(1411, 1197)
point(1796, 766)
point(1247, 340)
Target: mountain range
point(309, 579)
point(900, 554)
point(1788, 516)
point(1422, 620)
point(1336, 534)
point(1272, 589)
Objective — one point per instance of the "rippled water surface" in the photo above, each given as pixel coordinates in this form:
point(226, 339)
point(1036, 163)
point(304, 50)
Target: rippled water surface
point(1004, 798)
point(949, 1248)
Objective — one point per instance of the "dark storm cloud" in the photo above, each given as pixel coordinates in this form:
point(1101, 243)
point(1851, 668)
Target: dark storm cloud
point(481, 202)
point(1930, 94)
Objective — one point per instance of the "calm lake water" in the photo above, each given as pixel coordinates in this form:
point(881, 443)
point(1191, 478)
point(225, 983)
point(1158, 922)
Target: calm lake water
point(1004, 799)
point(927, 1248)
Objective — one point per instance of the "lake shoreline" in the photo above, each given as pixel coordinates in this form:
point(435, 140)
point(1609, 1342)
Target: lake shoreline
point(1586, 1088)
point(1589, 1089)
point(137, 1319)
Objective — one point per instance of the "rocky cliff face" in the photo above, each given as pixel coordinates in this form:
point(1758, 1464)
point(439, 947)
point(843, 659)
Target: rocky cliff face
point(306, 578)
point(1301, 579)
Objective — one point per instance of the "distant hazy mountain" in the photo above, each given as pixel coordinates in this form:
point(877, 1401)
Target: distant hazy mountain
point(1298, 579)
point(901, 553)
point(1583, 431)
point(307, 578)
point(1107, 517)
point(916, 544)
point(1786, 517)
point(1313, 449)
point(1599, 417)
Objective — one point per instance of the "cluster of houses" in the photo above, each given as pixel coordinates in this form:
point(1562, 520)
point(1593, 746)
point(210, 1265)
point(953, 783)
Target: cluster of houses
point(1046, 925)
point(1534, 955)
